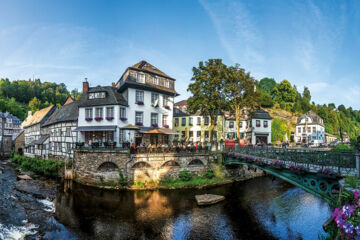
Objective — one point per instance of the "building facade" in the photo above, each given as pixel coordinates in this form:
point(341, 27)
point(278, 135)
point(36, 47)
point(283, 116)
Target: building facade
point(36, 137)
point(310, 129)
point(9, 125)
point(60, 131)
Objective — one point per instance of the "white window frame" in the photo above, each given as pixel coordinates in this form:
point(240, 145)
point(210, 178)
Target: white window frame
point(155, 80)
point(97, 112)
point(141, 116)
point(165, 120)
point(109, 110)
point(154, 97)
point(139, 96)
point(154, 118)
point(122, 112)
point(88, 112)
point(140, 77)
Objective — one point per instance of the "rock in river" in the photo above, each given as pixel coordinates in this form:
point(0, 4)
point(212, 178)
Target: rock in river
point(24, 177)
point(208, 199)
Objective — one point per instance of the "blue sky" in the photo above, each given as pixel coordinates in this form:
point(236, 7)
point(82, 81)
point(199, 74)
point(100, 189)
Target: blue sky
point(309, 43)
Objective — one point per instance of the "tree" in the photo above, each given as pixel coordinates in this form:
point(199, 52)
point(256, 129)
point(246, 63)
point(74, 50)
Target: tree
point(266, 85)
point(240, 93)
point(266, 100)
point(207, 88)
point(284, 92)
point(279, 128)
point(306, 94)
point(35, 104)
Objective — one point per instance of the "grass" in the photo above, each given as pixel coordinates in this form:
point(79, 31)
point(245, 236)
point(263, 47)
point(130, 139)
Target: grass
point(343, 147)
point(45, 167)
point(353, 182)
point(194, 182)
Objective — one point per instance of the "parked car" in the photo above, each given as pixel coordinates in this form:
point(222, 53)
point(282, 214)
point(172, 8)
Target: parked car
point(323, 145)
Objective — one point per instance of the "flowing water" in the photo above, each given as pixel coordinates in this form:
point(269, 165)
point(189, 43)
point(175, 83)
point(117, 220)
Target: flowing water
point(260, 208)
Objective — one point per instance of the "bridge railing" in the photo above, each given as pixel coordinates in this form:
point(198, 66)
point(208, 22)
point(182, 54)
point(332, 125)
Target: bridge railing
point(345, 163)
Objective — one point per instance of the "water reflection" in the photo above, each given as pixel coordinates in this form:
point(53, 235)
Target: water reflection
point(256, 209)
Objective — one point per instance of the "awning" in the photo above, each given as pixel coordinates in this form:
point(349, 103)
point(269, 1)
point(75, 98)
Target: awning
point(165, 131)
point(130, 127)
point(41, 140)
point(145, 129)
point(95, 128)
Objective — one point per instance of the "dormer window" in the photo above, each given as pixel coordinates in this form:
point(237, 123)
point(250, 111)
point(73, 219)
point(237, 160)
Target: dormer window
point(140, 78)
point(167, 84)
point(155, 80)
point(95, 95)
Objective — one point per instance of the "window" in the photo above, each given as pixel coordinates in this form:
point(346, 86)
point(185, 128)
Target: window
point(190, 121)
point(139, 96)
point(183, 121)
point(231, 124)
point(206, 135)
point(266, 124)
point(183, 134)
point(122, 112)
point(176, 122)
point(140, 78)
point(206, 120)
point(60, 132)
point(88, 113)
point(154, 119)
point(257, 123)
point(68, 147)
point(241, 124)
point(165, 100)
point(165, 120)
point(304, 130)
point(198, 134)
point(299, 130)
point(68, 132)
point(198, 120)
point(121, 135)
point(97, 95)
point(155, 99)
point(167, 84)
point(139, 117)
point(110, 112)
point(155, 80)
point(314, 129)
point(309, 129)
point(191, 134)
point(98, 112)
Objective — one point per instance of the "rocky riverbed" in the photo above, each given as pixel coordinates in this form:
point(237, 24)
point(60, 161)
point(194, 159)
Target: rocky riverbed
point(27, 206)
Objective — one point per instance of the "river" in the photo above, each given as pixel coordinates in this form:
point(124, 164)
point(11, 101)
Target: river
point(260, 208)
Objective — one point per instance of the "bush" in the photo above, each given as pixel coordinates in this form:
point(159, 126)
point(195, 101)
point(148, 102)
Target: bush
point(209, 174)
point(46, 167)
point(342, 147)
point(122, 180)
point(185, 175)
point(139, 184)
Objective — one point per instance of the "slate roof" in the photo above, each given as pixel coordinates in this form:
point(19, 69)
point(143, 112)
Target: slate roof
point(112, 97)
point(178, 113)
point(15, 119)
point(261, 114)
point(316, 119)
point(40, 116)
point(182, 102)
point(66, 113)
point(147, 67)
point(42, 139)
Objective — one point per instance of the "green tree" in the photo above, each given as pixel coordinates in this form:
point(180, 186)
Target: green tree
point(279, 128)
point(266, 85)
point(284, 92)
point(306, 94)
point(240, 93)
point(35, 104)
point(207, 89)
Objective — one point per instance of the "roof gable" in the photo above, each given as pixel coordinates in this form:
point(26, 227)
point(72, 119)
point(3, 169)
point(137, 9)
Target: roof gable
point(40, 115)
point(68, 112)
point(147, 67)
point(113, 97)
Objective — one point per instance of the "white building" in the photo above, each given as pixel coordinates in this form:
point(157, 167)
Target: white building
point(59, 128)
point(150, 94)
point(11, 126)
point(35, 135)
point(310, 129)
point(258, 128)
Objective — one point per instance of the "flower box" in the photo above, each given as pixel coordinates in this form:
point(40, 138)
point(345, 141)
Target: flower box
point(155, 125)
point(109, 118)
point(123, 119)
point(99, 119)
point(88, 119)
point(140, 103)
point(139, 124)
point(277, 164)
point(167, 107)
point(166, 126)
point(326, 173)
point(299, 169)
point(231, 126)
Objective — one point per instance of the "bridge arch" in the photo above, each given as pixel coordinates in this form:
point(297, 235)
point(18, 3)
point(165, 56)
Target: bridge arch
point(171, 163)
point(195, 162)
point(141, 165)
point(108, 166)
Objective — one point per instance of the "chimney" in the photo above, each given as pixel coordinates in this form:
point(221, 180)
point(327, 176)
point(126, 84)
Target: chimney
point(85, 86)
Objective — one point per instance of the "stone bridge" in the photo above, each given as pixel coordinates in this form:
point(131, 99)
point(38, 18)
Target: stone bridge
point(95, 167)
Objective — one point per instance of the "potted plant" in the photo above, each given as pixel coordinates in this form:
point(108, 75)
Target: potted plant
point(155, 125)
point(109, 118)
point(166, 126)
point(98, 119)
point(167, 107)
point(88, 119)
point(140, 103)
point(139, 124)
point(123, 119)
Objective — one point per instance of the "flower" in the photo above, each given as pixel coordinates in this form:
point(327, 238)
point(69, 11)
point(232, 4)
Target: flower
point(109, 118)
point(88, 119)
point(139, 123)
point(348, 228)
point(166, 126)
point(167, 107)
point(357, 229)
point(154, 125)
point(140, 103)
point(98, 118)
point(356, 194)
point(123, 119)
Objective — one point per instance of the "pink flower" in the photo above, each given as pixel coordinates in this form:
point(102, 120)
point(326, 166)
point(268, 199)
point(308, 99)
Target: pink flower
point(356, 194)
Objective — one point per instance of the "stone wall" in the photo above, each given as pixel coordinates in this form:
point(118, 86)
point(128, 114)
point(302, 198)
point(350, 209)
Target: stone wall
point(94, 167)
